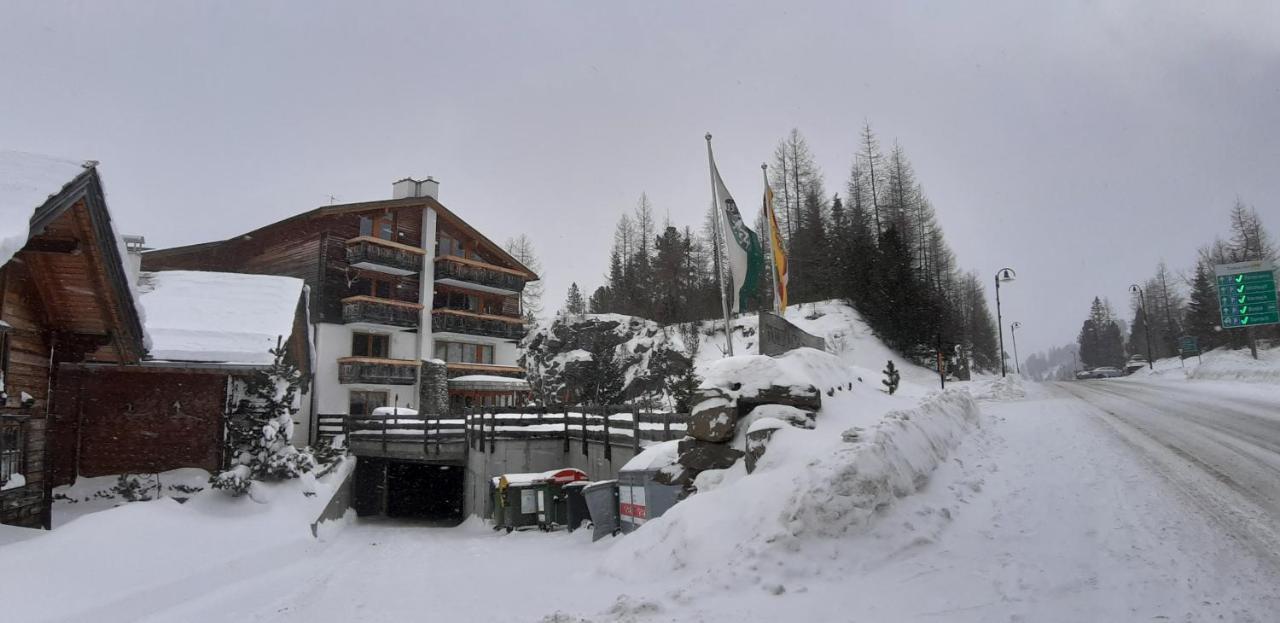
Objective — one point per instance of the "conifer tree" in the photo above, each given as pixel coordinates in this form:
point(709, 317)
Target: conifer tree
point(260, 429)
point(573, 303)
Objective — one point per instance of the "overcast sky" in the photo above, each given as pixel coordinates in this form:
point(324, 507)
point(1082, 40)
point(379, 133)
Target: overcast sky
point(1078, 144)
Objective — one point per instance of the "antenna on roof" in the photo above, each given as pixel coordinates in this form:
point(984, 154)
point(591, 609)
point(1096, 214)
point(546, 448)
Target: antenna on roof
point(332, 199)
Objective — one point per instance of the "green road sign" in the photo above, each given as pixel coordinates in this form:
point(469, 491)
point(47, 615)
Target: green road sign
point(1247, 294)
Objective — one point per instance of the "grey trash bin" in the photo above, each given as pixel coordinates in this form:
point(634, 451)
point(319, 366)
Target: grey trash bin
point(602, 503)
point(640, 497)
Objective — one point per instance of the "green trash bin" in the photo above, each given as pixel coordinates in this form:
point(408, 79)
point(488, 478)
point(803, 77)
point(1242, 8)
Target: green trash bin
point(532, 500)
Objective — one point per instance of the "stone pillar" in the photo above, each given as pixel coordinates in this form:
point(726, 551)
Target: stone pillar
point(434, 396)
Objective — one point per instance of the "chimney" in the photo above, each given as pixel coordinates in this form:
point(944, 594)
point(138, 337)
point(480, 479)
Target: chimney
point(134, 246)
point(409, 187)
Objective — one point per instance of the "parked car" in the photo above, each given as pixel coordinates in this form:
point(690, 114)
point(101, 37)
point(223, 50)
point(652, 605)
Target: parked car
point(1106, 372)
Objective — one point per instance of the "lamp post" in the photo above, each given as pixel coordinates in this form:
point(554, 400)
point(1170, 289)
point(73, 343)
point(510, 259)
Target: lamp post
point(1002, 275)
point(1146, 324)
point(1013, 331)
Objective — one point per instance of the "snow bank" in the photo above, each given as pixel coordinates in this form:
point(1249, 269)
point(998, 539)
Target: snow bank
point(1221, 364)
point(27, 181)
point(133, 560)
point(868, 448)
point(218, 317)
point(1001, 388)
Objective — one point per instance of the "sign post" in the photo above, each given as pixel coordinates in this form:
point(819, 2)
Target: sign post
point(1247, 296)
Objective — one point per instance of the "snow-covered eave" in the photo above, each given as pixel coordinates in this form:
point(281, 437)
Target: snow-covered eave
point(170, 364)
point(87, 186)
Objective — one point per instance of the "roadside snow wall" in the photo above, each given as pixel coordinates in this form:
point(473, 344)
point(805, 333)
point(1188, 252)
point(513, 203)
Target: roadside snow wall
point(810, 487)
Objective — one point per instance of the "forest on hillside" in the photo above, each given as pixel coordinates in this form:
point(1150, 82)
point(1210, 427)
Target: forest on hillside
point(875, 242)
point(1170, 304)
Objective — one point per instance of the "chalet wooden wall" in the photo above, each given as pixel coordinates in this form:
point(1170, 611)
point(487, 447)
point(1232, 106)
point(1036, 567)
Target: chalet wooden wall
point(116, 420)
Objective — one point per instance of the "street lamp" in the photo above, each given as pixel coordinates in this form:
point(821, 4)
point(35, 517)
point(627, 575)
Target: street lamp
point(1146, 324)
point(1005, 275)
point(1013, 331)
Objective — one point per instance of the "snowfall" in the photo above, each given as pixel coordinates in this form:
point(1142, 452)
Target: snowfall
point(991, 500)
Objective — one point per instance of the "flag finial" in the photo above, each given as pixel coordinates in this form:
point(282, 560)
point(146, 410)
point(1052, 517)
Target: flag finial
point(763, 166)
point(708, 137)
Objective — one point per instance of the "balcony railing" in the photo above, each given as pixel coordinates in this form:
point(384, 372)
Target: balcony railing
point(375, 371)
point(455, 321)
point(378, 254)
point(480, 273)
point(371, 310)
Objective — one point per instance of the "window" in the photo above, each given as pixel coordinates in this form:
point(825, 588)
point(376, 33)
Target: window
point(370, 345)
point(374, 285)
point(381, 226)
point(457, 352)
point(448, 245)
point(11, 440)
point(364, 402)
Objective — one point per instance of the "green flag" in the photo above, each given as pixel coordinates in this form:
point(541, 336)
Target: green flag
point(742, 247)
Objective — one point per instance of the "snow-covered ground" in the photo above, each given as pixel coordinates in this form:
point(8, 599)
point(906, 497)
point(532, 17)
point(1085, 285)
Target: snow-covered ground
point(1042, 513)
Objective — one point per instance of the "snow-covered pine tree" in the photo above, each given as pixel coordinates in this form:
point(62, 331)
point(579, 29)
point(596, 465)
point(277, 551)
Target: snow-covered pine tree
point(891, 378)
point(260, 429)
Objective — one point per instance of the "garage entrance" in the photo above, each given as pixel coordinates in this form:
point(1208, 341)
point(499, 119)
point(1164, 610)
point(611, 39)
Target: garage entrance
point(420, 491)
point(411, 490)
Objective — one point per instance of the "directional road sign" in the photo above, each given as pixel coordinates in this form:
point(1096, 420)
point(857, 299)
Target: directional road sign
point(1247, 294)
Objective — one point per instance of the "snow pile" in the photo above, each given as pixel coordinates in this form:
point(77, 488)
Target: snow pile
point(218, 317)
point(27, 181)
point(128, 562)
point(867, 449)
point(1001, 388)
point(1236, 365)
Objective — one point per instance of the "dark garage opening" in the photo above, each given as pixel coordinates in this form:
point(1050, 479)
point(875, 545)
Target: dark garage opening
point(420, 491)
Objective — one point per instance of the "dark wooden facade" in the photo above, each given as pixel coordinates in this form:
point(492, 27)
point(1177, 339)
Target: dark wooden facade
point(81, 396)
point(65, 298)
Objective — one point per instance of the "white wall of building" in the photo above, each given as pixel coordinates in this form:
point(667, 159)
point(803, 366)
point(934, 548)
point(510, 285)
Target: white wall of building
point(333, 341)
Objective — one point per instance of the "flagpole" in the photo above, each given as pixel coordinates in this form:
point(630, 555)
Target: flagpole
point(768, 231)
point(715, 241)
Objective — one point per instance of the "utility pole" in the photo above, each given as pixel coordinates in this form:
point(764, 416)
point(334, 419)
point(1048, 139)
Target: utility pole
point(1146, 324)
point(1013, 331)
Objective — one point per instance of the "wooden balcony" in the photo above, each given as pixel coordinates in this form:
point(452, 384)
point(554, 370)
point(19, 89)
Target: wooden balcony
point(462, 369)
point(445, 320)
point(376, 371)
point(370, 310)
point(467, 273)
point(384, 256)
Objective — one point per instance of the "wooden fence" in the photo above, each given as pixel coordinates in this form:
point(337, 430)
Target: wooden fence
point(481, 428)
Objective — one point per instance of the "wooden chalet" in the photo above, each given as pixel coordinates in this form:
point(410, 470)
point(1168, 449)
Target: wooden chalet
point(80, 396)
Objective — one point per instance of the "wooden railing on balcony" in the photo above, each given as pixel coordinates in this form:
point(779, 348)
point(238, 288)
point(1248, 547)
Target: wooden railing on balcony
point(379, 252)
point(376, 371)
point(444, 320)
point(457, 368)
point(374, 310)
point(473, 271)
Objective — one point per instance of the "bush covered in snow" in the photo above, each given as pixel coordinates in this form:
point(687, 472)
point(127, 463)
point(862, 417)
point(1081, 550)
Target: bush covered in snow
point(261, 429)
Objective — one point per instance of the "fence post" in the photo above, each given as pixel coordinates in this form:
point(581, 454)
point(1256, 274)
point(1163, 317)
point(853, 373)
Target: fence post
point(608, 439)
point(635, 430)
point(566, 430)
point(493, 431)
point(584, 409)
point(666, 426)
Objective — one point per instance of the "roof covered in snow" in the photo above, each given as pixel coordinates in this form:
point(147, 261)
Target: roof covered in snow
point(26, 183)
point(218, 317)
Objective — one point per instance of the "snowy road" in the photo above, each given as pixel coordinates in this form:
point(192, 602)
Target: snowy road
point(1217, 444)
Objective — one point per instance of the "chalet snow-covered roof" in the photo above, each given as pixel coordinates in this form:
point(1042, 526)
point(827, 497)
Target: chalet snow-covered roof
point(27, 181)
point(218, 317)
